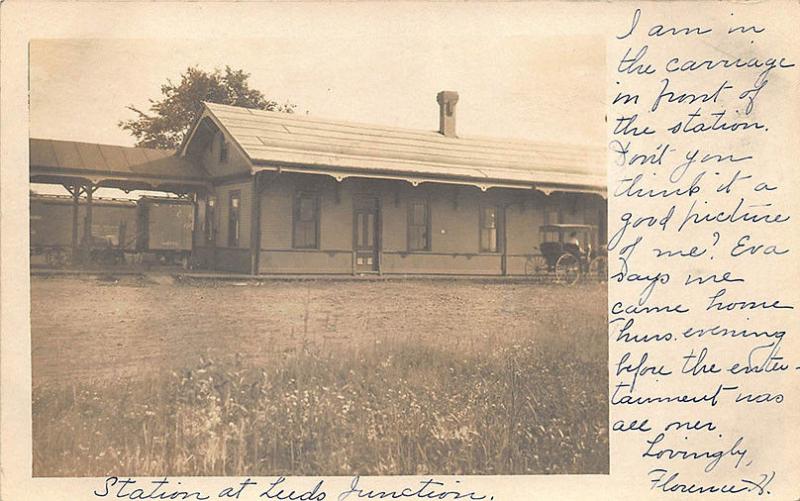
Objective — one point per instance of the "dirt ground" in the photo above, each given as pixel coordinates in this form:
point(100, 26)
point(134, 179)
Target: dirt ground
point(86, 329)
point(153, 377)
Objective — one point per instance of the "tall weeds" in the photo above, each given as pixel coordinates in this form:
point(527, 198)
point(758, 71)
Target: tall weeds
point(495, 386)
point(408, 409)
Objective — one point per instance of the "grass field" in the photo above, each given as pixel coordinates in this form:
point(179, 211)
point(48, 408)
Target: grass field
point(132, 377)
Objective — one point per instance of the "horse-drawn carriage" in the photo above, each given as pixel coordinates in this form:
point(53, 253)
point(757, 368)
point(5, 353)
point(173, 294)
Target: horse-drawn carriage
point(568, 253)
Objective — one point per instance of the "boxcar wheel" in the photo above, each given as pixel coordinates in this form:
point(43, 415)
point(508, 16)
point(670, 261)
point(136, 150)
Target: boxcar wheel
point(55, 258)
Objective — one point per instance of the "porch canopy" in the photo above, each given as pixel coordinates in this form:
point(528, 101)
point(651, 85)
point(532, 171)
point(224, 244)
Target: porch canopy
point(83, 167)
point(73, 163)
point(292, 143)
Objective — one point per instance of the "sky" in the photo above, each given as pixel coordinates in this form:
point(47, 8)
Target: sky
point(522, 83)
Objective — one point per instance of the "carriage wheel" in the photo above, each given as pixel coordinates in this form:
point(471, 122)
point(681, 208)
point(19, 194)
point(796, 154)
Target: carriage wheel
point(568, 269)
point(536, 266)
point(598, 269)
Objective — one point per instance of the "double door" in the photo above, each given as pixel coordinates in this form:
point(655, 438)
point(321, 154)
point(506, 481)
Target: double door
point(366, 234)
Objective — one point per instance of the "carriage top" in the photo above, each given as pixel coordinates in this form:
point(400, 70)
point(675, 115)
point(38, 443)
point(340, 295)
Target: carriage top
point(562, 228)
point(553, 250)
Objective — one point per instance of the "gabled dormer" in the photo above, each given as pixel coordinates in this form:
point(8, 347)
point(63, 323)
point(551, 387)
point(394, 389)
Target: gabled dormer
point(209, 145)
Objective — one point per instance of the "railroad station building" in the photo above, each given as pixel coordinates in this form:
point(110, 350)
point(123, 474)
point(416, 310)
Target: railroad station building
point(290, 194)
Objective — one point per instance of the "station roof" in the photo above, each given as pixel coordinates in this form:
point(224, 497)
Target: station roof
point(289, 142)
point(54, 161)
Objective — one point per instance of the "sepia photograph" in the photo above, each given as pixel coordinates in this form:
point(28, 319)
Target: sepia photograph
point(318, 255)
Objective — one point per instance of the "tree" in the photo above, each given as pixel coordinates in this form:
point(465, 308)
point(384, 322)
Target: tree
point(169, 119)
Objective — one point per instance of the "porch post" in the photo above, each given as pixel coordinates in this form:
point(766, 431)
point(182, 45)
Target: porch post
point(75, 191)
point(255, 225)
point(87, 228)
point(196, 228)
point(503, 240)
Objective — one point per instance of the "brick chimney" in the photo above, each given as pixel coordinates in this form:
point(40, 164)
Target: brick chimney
point(447, 100)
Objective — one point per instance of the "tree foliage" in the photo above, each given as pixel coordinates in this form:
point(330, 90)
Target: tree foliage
point(167, 121)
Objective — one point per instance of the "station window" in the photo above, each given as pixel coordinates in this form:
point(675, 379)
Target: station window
point(211, 203)
point(234, 209)
point(489, 229)
point(419, 226)
point(552, 215)
point(223, 151)
point(305, 221)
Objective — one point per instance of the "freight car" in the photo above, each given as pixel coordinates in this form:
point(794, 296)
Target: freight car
point(165, 228)
point(150, 229)
point(51, 228)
